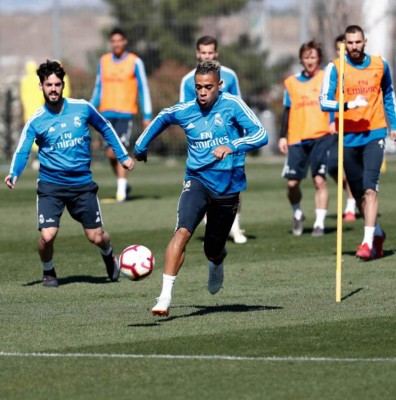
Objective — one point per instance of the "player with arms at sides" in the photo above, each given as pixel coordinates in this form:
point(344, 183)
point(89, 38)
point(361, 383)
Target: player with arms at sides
point(220, 129)
point(332, 168)
point(60, 129)
point(369, 103)
point(120, 80)
point(305, 137)
point(206, 49)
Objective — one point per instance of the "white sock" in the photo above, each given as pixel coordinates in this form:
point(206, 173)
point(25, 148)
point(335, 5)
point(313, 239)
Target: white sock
point(350, 206)
point(167, 285)
point(369, 235)
point(121, 186)
point(47, 266)
point(320, 218)
point(235, 226)
point(297, 213)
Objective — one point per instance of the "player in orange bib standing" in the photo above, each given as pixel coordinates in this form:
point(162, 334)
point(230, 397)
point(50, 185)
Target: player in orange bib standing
point(120, 80)
point(305, 137)
point(369, 104)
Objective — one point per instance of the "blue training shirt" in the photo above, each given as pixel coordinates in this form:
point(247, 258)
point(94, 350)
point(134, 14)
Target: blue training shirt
point(229, 122)
point(64, 143)
point(227, 75)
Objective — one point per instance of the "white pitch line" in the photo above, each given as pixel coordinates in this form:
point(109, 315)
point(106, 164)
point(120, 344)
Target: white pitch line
point(198, 357)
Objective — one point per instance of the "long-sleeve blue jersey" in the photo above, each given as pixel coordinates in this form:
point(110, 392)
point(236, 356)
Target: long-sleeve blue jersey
point(227, 75)
point(64, 143)
point(229, 122)
point(328, 100)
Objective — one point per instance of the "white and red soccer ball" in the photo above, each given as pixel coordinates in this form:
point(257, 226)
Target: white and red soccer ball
point(136, 262)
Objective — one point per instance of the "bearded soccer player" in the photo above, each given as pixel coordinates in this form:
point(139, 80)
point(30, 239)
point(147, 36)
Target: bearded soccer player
point(60, 130)
point(220, 129)
point(369, 104)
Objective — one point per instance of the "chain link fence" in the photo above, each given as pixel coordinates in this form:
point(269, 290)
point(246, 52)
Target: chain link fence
point(259, 39)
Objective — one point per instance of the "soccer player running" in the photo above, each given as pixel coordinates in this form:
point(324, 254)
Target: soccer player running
point(305, 137)
point(369, 103)
point(220, 129)
point(60, 129)
point(350, 207)
point(120, 80)
point(206, 49)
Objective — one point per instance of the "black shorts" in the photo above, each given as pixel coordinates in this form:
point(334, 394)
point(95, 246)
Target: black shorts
point(196, 200)
point(332, 156)
point(300, 157)
point(362, 166)
point(81, 202)
point(123, 127)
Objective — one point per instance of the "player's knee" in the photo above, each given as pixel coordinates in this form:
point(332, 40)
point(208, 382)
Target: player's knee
point(370, 194)
point(95, 237)
point(320, 182)
point(182, 236)
point(214, 250)
point(293, 184)
point(48, 235)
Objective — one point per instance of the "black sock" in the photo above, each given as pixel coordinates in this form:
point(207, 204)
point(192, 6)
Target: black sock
point(51, 272)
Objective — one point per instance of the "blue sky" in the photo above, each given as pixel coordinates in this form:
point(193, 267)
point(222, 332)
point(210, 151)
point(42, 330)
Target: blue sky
point(42, 5)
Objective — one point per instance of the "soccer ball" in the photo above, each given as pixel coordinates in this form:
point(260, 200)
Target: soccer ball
point(136, 262)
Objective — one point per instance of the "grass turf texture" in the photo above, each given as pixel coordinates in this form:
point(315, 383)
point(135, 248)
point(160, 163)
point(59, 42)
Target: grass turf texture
point(278, 300)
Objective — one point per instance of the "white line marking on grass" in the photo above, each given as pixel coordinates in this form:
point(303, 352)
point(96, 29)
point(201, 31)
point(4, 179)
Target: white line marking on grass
point(198, 357)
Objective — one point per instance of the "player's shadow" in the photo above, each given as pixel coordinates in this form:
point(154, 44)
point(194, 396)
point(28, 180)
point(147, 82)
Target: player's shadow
point(112, 200)
point(328, 230)
point(95, 280)
point(387, 253)
point(205, 310)
point(229, 239)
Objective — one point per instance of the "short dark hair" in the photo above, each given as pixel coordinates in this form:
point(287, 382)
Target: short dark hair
point(117, 31)
point(354, 29)
point(48, 68)
point(208, 67)
point(338, 39)
point(206, 40)
point(311, 45)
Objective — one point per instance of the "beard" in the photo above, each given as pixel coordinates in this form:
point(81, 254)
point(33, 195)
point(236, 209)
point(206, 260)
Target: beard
point(55, 102)
point(356, 55)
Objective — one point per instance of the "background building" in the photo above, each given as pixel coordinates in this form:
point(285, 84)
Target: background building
point(258, 38)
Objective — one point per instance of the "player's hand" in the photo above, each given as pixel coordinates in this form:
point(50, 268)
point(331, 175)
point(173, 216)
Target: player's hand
point(360, 101)
point(128, 164)
point(141, 157)
point(392, 135)
point(146, 123)
point(282, 145)
point(221, 152)
point(10, 181)
point(332, 128)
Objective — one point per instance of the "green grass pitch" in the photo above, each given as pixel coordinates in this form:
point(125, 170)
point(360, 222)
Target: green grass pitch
point(274, 331)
